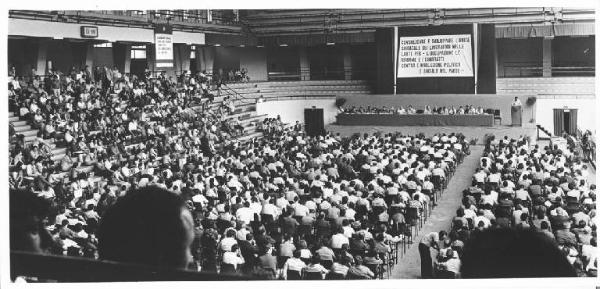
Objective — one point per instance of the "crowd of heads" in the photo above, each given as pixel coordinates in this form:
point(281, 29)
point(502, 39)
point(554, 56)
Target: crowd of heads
point(440, 110)
point(530, 212)
point(116, 130)
point(286, 203)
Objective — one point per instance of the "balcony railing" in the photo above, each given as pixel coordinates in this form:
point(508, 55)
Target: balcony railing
point(526, 69)
point(321, 74)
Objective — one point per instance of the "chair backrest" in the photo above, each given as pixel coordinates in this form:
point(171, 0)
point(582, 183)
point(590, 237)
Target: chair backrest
point(227, 269)
point(293, 275)
point(412, 213)
point(335, 276)
point(444, 274)
point(496, 113)
point(312, 276)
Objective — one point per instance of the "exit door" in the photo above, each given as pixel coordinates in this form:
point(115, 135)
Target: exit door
point(565, 120)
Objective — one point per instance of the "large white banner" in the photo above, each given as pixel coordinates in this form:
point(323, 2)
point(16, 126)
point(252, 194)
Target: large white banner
point(163, 43)
point(435, 56)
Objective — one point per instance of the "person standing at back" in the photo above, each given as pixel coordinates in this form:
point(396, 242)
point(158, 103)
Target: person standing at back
point(428, 241)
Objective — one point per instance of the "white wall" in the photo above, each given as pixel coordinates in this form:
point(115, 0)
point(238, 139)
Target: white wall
point(293, 110)
point(58, 30)
point(586, 112)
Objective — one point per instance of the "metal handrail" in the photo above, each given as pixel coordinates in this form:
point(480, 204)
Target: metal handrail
point(526, 69)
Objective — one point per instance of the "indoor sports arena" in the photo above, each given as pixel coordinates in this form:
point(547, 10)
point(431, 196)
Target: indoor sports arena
point(301, 144)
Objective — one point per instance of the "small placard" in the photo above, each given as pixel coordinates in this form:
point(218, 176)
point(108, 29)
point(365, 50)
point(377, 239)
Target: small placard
point(89, 31)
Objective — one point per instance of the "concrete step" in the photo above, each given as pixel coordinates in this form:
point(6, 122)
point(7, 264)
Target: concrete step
point(250, 136)
point(85, 169)
point(29, 132)
point(19, 123)
point(58, 151)
point(11, 114)
point(13, 118)
point(253, 119)
point(22, 128)
point(58, 157)
point(316, 87)
point(49, 141)
point(29, 138)
point(242, 115)
point(250, 129)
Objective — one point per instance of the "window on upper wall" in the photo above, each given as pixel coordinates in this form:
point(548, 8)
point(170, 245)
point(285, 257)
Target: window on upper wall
point(573, 56)
point(138, 12)
point(138, 52)
point(193, 52)
point(103, 45)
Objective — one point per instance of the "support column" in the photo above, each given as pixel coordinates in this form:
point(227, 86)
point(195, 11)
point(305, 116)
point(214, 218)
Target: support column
point(127, 62)
point(42, 55)
point(547, 57)
point(122, 56)
point(181, 55)
point(304, 64)
point(347, 62)
point(89, 56)
point(205, 58)
point(151, 63)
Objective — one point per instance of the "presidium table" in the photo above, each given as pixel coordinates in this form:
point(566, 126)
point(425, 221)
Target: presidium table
point(416, 119)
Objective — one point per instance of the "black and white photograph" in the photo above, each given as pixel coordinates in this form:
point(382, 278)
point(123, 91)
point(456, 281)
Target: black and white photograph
point(275, 144)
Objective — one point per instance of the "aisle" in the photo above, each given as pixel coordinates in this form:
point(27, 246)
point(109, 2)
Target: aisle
point(409, 267)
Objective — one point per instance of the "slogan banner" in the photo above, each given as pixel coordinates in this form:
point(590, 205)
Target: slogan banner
point(435, 56)
point(163, 46)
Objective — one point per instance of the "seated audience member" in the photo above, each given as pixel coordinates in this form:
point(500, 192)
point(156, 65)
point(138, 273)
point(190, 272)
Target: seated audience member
point(508, 253)
point(149, 226)
point(293, 267)
point(26, 220)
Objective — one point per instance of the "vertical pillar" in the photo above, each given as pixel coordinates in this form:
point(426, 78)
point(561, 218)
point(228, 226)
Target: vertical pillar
point(42, 55)
point(127, 60)
point(181, 55)
point(304, 64)
point(122, 56)
point(150, 62)
point(89, 56)
point(547, 57)
point(347, 62)
point(205, 58)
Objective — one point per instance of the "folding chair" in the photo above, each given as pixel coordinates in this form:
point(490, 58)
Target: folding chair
point(413, 220)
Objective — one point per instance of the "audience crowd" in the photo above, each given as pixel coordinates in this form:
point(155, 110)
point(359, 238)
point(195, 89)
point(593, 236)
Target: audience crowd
point(288, 205)
point(284, 206)
point(522, 187)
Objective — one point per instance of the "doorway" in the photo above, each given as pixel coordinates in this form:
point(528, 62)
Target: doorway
point(565, 120)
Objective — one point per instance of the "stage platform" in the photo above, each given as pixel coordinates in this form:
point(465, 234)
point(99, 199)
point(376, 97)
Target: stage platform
point(419, 101)
point(469, 132)
point(415, 119)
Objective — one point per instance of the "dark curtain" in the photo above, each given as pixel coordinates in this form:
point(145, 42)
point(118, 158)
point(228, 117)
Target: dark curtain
point(119, 50)
point(558, 122)
point(385, 60)
point(573, 122)
point(487, 59)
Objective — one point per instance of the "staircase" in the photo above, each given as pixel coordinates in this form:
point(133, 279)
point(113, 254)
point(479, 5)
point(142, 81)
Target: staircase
point(246, 95)
point(30, 134)
point(543, 129)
